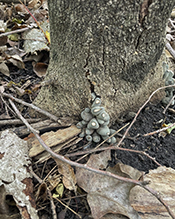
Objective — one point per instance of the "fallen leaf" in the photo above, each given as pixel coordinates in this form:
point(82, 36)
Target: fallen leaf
point(41, 193)
point(107, 195)
point(34, 40)
point(14, 174)
point(35, 4)
point(40, 69)
point(17, 61)
point(69, 179)
point(3, 49)
point(13, 37)
point(59, 191)
point(162, 180)
point(4, 69)
point(3, 41)
point(20, 8)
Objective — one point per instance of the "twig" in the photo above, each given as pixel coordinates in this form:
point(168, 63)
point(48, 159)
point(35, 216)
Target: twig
point(112, 148)
point(49, 193)
point(16, 121)
point(53, 207)
point(171, 110)
point(126, 132)
point(160, 130)
point(105, 173)
point(164, 111)
point(14, 31)
point(170, 49)
point(55, 118)
point(171, 22)
point(67, 207)
point(22, 118)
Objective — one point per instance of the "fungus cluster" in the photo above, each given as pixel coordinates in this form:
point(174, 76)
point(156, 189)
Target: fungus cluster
point(169, 80)
point(95, 121)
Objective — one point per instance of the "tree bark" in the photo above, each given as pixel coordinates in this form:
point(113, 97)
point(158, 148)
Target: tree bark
point(110, 47)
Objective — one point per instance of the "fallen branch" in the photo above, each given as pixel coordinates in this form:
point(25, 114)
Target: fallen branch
point(85, 166)
point(112, 148)
point(16, 121)
point(14, 31)
point(54, 118)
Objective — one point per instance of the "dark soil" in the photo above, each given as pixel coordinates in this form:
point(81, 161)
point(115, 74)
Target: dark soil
point(160, 148)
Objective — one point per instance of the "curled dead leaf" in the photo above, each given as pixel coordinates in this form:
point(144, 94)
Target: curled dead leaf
point(107, 195)
point(40, 69)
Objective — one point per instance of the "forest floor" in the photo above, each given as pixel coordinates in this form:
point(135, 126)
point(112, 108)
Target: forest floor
point(160, 146)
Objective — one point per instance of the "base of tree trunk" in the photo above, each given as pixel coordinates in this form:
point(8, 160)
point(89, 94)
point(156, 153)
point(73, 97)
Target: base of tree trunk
point(122, 101)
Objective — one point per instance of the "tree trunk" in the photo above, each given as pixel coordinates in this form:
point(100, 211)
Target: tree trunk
point(110, 47)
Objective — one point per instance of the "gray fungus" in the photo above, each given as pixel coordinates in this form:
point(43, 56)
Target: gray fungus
point(169, 80)
point(95, 121)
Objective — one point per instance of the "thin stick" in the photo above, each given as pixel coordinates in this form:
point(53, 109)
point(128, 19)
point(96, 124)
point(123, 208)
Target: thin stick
point(14, 31)
point(126, 132)
point(170, 49)
point(55, 118)
point(160, 130)
point(105, 173)
point(168, 104)
point(49, 193)
point(112, 148)
point(66, 206)
point(16, 121)
point(24, 120)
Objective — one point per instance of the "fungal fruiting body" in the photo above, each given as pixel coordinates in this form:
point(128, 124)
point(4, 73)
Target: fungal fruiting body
point(169, 80)
point(95, 121)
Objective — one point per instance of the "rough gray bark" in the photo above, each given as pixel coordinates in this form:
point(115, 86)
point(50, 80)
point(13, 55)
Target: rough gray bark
point(107, 46)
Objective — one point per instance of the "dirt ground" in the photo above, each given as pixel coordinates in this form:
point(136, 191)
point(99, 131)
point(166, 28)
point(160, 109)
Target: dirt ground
point(160, 146)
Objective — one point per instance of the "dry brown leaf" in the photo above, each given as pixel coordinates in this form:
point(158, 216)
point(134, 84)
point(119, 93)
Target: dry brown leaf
point(41, 193)
point(20, 8)
point(69, 179)
point(3, 41)
point(162, 180)
point(35, 4)
point(17, 61)
point(107, 195)
point(40, 69)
